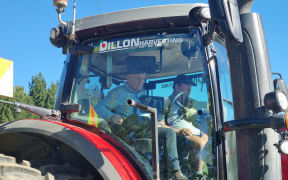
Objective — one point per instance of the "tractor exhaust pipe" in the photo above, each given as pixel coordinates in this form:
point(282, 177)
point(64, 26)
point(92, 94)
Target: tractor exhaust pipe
point(154, 132)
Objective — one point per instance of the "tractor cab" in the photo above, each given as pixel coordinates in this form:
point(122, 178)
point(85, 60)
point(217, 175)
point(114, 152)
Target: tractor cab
point(142, 61)
point(136, 74)
point(151, 62)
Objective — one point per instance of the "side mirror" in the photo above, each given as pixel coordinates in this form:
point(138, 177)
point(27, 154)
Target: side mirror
point(226, 13)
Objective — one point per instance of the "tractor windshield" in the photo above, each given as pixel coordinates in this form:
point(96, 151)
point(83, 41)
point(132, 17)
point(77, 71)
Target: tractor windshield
point(166, 71)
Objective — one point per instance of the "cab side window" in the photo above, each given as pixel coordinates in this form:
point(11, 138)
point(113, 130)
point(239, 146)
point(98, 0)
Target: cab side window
point(228, 111)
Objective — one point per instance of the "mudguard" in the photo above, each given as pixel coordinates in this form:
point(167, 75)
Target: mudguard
point(109, 161)
point(284, 160)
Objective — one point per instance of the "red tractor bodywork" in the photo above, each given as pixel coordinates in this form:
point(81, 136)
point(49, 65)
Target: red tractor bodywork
point(107, 146)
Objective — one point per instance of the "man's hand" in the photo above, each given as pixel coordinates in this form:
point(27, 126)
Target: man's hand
point(189, 113)
point(116, 119)
point(185, 132)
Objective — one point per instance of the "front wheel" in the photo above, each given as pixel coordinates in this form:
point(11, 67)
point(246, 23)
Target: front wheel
point(10, 170)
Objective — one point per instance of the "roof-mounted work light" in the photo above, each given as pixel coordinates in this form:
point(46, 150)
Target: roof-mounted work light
point(60, 3)
point(204, 12)
point(276, 101)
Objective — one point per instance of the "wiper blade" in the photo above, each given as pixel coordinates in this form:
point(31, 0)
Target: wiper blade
point(42, 112)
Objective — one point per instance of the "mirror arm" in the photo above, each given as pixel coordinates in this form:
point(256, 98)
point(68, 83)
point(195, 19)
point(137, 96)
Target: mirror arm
point(208, 36)
point(274, 121)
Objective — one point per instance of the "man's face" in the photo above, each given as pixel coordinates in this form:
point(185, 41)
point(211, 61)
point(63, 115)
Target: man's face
point(136, 81)
point(183, 88)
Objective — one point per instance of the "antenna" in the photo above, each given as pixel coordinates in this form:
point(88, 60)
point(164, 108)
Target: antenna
point(61, 5)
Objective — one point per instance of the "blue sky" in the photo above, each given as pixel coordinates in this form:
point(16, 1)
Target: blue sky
point(25, 29)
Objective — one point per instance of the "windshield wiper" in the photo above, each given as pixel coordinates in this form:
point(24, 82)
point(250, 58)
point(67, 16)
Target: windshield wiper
point(42, 112)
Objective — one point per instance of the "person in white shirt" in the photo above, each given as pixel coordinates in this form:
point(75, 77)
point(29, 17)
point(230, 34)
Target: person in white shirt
point(174, 119)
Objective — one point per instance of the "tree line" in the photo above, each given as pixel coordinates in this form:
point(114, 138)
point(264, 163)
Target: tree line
point(38, 95)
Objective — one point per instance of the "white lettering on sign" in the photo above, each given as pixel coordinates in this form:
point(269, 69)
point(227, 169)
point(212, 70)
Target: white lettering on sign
point(106, 46)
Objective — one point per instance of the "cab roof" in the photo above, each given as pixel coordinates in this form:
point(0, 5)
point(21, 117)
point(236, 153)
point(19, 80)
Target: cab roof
point(138, 19)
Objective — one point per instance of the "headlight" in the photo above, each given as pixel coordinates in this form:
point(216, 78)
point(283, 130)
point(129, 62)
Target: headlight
point(284, 147)
point(54, 33)
point(276, 101)
point(282, 100)
point(205, 13)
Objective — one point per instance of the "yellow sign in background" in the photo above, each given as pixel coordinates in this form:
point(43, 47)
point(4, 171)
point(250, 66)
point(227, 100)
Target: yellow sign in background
point(6, 77)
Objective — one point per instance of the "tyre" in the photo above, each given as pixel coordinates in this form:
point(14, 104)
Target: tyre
point(11, 170)
point(65, 172)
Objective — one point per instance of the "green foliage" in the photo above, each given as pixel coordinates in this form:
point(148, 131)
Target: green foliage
point(38, 96)
point(21, 97)
point(6, 114)
point(51, 93)
point(38, 90)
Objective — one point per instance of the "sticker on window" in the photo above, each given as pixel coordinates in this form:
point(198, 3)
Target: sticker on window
point(106, 46)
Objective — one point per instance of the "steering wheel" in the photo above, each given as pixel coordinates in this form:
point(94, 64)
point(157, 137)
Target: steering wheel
point(145, 99)
point(183, 93)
